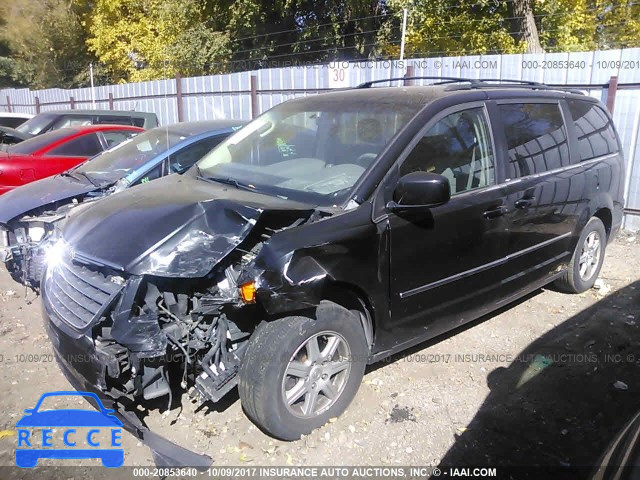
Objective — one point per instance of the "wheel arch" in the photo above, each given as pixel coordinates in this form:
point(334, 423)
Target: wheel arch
point(605, 215)
point(355, 300)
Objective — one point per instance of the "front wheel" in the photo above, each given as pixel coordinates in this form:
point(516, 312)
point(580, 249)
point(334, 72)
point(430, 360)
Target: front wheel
point(298, 373)
point(587, 259)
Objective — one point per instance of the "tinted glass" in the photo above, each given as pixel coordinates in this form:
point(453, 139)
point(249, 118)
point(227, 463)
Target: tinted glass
point(536, 138)
point(38, 124)
point(11, 122)
point(34, 144)
point(126, 157)
point(113, 119)
point(313, 150)
point(596, 136)
point(153, 174)
point(84, 146)
point(72, 121)
point(115, 137)
point(184, 159)
point(458, 147)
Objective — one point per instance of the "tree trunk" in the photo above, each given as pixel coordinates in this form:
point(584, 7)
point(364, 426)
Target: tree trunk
point(524, 25)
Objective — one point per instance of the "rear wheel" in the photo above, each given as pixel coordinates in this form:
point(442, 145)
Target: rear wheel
point(587, 259)
point(298, 373)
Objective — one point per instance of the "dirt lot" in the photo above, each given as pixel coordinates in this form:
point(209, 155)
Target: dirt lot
point(485, 395)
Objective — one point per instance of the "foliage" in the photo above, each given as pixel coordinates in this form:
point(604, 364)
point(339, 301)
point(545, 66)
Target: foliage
point(46, 40)
point(45, 43)
point(147, 39)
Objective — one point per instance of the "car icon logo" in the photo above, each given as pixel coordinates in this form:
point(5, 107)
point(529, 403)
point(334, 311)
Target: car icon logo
point(68, 424)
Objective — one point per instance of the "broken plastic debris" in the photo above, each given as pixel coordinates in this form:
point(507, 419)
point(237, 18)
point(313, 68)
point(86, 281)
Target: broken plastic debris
point(602, 287)
point(620, 385)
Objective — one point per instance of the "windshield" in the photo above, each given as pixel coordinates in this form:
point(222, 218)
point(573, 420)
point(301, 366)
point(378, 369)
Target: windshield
point(37, 124)
point(312, 150)
point(120, 161)
point(32, 145)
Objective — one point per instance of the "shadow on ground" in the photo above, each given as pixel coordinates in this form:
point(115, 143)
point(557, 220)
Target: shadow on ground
point(556, 404)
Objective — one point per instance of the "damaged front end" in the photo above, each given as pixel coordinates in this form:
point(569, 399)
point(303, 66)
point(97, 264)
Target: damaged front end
point(23, 246)
point(173, 317)
point(28, 241)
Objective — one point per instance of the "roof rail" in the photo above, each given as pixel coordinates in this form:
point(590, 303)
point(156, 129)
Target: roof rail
point(395, 79)
point(477, 83)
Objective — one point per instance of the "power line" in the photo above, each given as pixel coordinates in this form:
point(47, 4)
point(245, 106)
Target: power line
point(499, 19)
point(313, 26)
point(301, 42)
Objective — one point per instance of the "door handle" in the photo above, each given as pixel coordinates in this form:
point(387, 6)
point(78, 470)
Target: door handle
point(495, 212)
point(524, 202)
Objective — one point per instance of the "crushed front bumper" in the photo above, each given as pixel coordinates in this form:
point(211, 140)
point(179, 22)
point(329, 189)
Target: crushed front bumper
point(84, 368)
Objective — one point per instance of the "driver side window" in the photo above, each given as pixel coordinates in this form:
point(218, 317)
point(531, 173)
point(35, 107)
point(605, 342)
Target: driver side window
point(184, 159)
point(457, 147)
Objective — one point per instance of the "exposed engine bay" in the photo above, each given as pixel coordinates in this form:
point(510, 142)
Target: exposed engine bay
point(155, 335)
point(177, 336)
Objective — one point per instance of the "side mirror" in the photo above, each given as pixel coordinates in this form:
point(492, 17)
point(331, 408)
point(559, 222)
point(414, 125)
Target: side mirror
point(420, 191)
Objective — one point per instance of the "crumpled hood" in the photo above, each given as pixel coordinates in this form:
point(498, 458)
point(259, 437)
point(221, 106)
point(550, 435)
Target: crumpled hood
point(177, 226)
point(22, 200)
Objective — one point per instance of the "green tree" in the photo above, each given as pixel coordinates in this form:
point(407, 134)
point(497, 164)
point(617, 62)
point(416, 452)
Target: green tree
point(148, 39)
point(447, 27)
point(46, 41)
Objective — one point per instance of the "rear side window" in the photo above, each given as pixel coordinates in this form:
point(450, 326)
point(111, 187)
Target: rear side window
point(113, 120)
point(72, 121)
point(12, 122)
point(114, 137)
point(85, 146)
point(596, 136)
point(536, 138)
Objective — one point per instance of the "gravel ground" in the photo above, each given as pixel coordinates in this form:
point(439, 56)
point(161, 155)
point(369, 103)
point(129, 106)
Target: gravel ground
point(530, 385)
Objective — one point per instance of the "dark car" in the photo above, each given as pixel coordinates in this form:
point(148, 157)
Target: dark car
point(29, 214)
point(329, 233)
point(48, 121)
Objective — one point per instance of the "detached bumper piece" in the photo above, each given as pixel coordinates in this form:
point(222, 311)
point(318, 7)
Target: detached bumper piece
point(165, 452)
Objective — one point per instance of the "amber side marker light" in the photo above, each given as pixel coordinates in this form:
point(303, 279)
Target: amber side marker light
point(248, 292)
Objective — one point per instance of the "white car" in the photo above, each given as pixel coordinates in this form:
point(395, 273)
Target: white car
point(13, 119)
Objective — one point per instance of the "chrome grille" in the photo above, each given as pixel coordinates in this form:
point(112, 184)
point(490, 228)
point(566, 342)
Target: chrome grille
point(78, 295)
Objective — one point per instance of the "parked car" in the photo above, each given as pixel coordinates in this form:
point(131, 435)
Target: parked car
point(13, 119)
point(48, 121)
point(56, 152)
point(329, 233)
point(30, 213)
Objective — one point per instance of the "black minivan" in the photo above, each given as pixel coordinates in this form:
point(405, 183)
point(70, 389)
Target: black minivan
point(329, 233)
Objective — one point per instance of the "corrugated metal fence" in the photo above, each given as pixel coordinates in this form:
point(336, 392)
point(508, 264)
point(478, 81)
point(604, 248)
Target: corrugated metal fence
point(243, 95)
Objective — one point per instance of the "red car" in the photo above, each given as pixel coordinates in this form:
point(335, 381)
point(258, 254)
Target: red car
point(57, 151)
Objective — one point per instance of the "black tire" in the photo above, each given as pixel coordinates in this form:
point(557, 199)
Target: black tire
point(572, 281)
point(262, 374)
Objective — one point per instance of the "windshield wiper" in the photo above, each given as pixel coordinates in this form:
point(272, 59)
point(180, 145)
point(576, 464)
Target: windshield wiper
point(75, 175)
point(229, 181)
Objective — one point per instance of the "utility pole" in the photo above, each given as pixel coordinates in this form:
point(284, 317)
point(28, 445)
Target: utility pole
point(93, 93)
point(404, 32)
